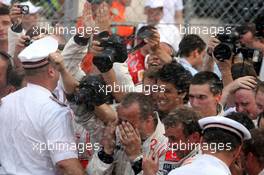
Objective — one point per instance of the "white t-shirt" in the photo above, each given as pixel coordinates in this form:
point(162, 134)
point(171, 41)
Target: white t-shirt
point(35, 132)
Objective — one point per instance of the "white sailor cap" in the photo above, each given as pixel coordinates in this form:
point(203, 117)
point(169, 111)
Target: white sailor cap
point(32, 8)
point(226, 124)
point(154, 3)
point(36, 54)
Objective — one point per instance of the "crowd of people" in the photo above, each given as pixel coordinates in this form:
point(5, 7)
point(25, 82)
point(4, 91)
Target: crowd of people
point(94, 105)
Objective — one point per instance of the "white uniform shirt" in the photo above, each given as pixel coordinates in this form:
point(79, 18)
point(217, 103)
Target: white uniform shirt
point(203, 165)
point(35, 132)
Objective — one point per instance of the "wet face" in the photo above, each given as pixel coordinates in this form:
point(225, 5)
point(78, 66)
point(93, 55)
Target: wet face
point(131, 114)
point(5, 23)
point(168, 97)
point(203, 100)
point(260, 102)
point(245, 102)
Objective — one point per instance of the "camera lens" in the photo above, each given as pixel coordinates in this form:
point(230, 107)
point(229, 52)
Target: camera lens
point(222, 52)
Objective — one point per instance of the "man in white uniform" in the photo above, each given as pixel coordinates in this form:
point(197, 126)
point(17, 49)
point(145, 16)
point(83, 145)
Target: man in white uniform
point(35, 129)
point(221, 144)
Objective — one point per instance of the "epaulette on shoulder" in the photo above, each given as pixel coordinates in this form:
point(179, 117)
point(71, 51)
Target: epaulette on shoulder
point(58, 101)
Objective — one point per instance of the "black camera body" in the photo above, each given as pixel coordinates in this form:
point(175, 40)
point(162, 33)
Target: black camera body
point(114, 51)
point(92, 92)
point(229, 45)
point(24, 9)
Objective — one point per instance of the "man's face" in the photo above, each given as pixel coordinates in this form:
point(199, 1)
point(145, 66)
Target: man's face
point(247, 38)
point(131, 114)
point(167, 98)
point(203, 100)
point(260, 102)
point(245, 102)
point(5, 23)
point(154, 16)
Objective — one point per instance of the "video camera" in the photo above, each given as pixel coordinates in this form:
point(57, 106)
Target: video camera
point(114, 51)
point(229, 45)
point(92, 92)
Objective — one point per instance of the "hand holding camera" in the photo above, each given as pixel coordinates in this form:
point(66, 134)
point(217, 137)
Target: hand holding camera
point(92, 92)
point(114, 50)
point(16, 13)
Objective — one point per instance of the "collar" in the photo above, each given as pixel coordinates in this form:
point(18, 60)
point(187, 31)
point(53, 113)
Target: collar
point(187, 66)
point(159, 131)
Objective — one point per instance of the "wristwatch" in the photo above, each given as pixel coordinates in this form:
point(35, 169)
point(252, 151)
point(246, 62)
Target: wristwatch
point(137, 164)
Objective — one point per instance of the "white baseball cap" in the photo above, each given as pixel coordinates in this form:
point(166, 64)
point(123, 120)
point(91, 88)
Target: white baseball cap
point(226, 124)
point(36, 54)
point(32, 8)
point(154, 3)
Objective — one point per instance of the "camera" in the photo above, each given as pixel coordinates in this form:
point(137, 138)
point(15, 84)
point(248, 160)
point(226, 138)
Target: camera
point(114, 51)
point(145, 32)
point(24, 9)
point(229, 45)
point(92, 92)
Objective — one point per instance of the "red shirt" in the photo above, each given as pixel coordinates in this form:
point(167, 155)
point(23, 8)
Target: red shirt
point(136, 67)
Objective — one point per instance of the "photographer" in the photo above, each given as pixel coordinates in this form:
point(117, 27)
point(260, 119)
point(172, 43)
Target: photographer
point(22, 20)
